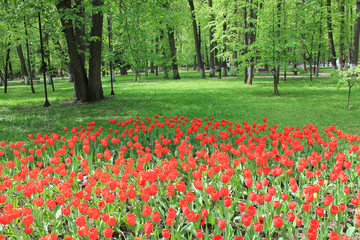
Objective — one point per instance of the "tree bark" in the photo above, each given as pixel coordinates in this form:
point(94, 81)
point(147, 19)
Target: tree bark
point(252, 38)
point(71, 73)
point(211, 37)
point(11, 76)
point(43, 65)
point(95, 92)
point(6, 68)
point(196, 38)
point(23, 65)
point(80, 29)
point(342, 26)
point(355, 39)
point(81, 80)
point(224, 63)
point(28, 56)
point(152, 67)
point(330, 36)
point(235, 66)
point(112, 75)
point(246, 42)
point(171, 37)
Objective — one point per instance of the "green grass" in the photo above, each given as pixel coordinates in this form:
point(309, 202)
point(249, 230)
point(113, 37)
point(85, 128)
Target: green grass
point(301, 102)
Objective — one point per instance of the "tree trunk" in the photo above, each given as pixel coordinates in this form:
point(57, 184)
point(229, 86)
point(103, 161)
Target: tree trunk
point(2, 78)
point(310, 63)
point(330, 36)
point(211, 37)
point(235, 66)
point(355, 40)
point(43, 65)
point(28, 55)
point(348, 101)
point(216, 60)
point(11, 76)
point(81, 80)
point(252, 38)
point(123, 71)
point(146, 68)
point(6, 68)
point(207, 65)
point(95, 92)
point(71, 73)
point(23, 65)
point(157, 52)
point(195, 63)
point(224, 63)
point(152, 67)
point(112, 75)
point(246, 42)
point(342, 26)
point(171, 37)
point(318, 64)
point(276, 74)
point(80, 32)
point(196, 38)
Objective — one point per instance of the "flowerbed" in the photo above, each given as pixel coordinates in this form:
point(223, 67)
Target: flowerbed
point(174, 178)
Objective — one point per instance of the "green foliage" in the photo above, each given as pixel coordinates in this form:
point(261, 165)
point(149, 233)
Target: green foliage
point(349, 77)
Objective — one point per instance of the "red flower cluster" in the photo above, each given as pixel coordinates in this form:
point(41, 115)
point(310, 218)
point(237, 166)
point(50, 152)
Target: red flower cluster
point(162, 175)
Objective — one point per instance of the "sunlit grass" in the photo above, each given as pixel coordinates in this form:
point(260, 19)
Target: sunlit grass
point(301, 102)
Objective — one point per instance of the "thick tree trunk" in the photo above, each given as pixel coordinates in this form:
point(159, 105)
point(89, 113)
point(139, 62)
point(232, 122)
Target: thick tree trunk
point(81, 80)
point(95, 92)
point(22, 63)
point(330, 36)
point(211, 37)
point(71, 73)
point(196, 38)
point(80, 33)
point(175, 69)
point(355, 40)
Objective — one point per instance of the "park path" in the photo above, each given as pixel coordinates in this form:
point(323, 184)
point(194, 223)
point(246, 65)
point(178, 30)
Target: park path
point(326, 74)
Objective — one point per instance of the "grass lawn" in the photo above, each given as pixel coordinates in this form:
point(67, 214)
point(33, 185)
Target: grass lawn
point(301, 102)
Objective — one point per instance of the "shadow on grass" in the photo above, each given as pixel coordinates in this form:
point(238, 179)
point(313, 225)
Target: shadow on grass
point(300, 103)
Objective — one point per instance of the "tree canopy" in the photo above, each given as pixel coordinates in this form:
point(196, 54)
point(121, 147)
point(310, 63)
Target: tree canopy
point(152, 36)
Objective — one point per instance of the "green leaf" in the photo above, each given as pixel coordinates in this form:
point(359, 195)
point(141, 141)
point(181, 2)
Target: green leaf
point(58, 213)
point(350, 231)
point(211, 219)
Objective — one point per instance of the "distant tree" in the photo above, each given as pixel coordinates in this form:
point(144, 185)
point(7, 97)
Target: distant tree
point(196, 39)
